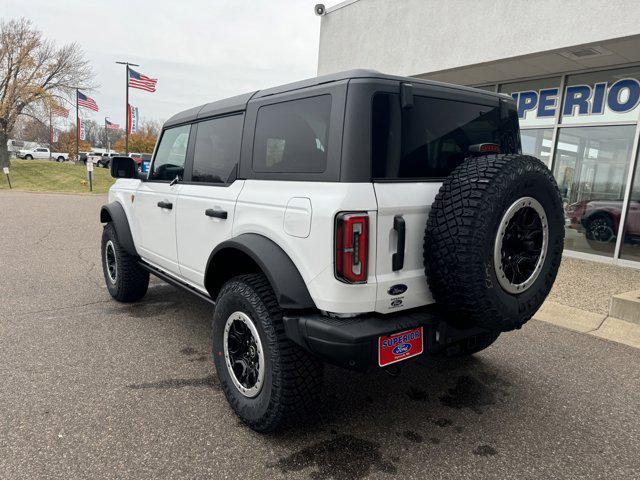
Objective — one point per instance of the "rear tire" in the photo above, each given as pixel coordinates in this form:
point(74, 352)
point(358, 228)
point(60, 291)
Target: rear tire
point(125, 279)
point(60, 159)
point(494, 240)
point(290, 378)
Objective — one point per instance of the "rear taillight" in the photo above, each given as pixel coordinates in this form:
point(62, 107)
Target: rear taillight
point(352, 247)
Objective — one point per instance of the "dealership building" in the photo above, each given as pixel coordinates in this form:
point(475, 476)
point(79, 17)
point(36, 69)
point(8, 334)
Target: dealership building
point(573, 68)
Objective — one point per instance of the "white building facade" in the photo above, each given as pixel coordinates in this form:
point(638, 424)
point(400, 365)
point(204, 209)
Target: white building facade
point(573, 67)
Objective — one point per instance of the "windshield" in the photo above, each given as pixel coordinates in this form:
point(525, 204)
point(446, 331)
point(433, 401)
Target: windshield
point(431, 138)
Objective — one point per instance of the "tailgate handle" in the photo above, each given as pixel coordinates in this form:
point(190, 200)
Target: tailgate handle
point(397, 259)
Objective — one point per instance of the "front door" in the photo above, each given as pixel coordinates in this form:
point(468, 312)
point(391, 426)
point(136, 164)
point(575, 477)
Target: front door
point(156, 201)
point(208, 197)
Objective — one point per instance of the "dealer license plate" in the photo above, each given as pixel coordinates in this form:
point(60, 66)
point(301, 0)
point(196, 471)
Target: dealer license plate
point(400, 346)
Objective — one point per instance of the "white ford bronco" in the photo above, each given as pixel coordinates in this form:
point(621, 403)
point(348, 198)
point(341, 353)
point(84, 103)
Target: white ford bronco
point(359, 219)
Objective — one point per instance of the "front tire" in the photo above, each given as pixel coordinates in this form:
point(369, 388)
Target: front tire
point(125, 279)
point(267, 379)
point(28, 157)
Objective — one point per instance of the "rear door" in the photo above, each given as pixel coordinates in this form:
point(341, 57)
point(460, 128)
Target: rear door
point(209, 193)
point(413, 150)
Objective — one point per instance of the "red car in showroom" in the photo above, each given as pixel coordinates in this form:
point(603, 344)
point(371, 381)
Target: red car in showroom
point(600, 219)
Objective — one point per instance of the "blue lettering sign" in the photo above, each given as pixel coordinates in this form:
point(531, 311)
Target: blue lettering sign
point(615, 99)
point(597, 104)
point(527, 101)
point(577, 96)
point(547, 103)
point(621, 97)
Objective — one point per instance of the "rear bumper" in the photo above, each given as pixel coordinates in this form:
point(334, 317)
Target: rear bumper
point(353, 342)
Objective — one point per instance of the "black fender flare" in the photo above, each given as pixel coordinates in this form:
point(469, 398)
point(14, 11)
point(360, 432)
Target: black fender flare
point(114, 212)
point(284, 277)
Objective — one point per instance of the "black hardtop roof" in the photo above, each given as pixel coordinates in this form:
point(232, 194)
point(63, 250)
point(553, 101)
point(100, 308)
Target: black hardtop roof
point(239, 102)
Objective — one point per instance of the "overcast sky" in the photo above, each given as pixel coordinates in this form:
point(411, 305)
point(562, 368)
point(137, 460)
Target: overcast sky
point(198, 50)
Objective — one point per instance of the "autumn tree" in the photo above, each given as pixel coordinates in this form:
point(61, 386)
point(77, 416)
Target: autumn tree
point(67, 142)
point(143, 141)
point(32, 70)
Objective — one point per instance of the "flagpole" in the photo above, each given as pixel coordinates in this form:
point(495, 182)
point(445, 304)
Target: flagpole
point(126, 105)
point(50, 129)
point(77, 128)
point(106, 135)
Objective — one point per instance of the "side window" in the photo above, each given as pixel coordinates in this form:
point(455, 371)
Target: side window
point(169, 161)
point(217, 149)
point(291, 137)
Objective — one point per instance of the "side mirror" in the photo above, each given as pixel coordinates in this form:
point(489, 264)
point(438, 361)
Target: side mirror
point(123, 167)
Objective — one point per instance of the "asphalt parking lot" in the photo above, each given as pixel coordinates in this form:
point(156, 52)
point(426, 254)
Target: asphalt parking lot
point(90, 388)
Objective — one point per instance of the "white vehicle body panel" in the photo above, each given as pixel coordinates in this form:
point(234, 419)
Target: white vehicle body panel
point(297, 216)
point(156, 227)
point(198, 234)
point(261, 209)
point(411, 200)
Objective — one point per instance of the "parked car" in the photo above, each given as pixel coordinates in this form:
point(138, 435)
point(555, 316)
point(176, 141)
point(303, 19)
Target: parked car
point(600, 219)
point(42, 153)
point(367, 220)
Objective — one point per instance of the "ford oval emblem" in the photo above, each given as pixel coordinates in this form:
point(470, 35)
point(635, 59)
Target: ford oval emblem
point(397, 289)
point(402, 348)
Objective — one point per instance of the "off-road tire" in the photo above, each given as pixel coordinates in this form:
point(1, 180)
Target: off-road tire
point(461, 233)
point(293, 377)
point(131, 280)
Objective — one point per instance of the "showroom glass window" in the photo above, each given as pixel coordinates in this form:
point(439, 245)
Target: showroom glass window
point(169, 159)
point(591, 166)
point(630, 248)
point(217, 149)
point(537, 142)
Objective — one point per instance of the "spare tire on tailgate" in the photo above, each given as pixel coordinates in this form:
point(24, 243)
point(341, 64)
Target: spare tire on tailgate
point(493, 241)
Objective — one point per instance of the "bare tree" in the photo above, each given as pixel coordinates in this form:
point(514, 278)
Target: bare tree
point(33, 69)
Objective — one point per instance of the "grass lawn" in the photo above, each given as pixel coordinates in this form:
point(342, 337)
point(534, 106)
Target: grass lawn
point(48, 176)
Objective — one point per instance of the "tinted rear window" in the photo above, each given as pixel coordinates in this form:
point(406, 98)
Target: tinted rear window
point(217, 149)
point(431, 138)
point(291, 137)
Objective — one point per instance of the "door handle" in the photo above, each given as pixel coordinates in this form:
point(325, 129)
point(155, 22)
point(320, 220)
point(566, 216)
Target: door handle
point(210, 212)
point(167, 205)
point(397, 259)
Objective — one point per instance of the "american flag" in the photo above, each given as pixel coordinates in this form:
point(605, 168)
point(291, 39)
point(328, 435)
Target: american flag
point(84, 101)
point(59, 111)
point(137, 80)
point(111, 126)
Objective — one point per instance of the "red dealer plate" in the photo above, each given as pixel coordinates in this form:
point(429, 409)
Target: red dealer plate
point(400, 346)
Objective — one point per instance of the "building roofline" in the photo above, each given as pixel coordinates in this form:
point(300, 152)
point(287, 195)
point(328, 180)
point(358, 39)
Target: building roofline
point(340, 5)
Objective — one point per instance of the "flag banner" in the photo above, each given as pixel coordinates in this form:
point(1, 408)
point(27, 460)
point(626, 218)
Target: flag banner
point(88, 102)
point(83, 132)
point(111, 126)
point(142, 82)
point(59, 111)
point(55, 135)
point(134, 119)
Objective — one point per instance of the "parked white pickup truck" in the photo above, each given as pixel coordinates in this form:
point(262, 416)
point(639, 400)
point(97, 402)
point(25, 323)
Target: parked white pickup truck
point(42, 152)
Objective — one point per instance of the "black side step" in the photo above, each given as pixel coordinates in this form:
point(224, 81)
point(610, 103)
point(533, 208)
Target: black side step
point(175, 282)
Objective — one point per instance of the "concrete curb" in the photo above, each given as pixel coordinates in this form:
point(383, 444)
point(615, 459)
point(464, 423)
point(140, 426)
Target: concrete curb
point(590, 323)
